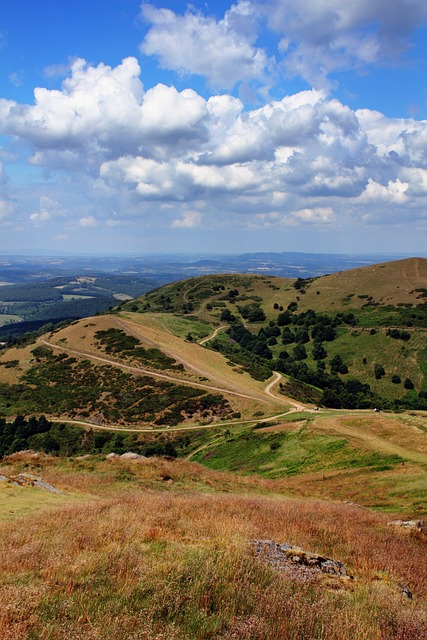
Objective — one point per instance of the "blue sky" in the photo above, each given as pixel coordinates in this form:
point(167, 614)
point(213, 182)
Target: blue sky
point(213, 126)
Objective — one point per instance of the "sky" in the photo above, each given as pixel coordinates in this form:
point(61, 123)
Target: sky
point(213, 127)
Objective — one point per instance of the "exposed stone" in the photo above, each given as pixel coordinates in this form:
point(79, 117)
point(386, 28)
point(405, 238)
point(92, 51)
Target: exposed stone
point(405, 591)
point(112, 455)
point(130, 455)
point(415, 525)
point(28, 480)
point(296, 562)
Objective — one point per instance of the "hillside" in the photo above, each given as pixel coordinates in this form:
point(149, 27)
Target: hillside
point(372, 321)
point(152, 382)
point(247, 473)
point(155, 549)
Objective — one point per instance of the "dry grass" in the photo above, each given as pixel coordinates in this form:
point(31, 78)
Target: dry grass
point(145, 563)
point(388, 283)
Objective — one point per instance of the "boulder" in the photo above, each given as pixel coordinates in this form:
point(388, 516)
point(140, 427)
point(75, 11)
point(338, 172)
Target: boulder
point(296, 562)
point(414, 525)
point(130, 455)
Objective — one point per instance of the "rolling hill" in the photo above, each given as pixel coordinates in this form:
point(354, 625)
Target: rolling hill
point(246, 472)
point(372, 320)
point(215, 358)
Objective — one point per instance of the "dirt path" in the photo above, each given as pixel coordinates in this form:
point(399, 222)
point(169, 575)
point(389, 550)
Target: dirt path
point(125, 429)
point(213, 335)
point(171, 350)
point(296, 406)
point(148, 372)
point(370, 440)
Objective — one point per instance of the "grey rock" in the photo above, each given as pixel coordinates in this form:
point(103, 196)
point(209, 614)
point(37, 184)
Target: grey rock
point(416, 525)
point(296, 562)
point(130, 455)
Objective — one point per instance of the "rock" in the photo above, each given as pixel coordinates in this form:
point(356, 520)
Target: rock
point(130, 455)
point(296, 562)
point(405, 591)
point(415, 525)
point(111, 456)
point(28, 480)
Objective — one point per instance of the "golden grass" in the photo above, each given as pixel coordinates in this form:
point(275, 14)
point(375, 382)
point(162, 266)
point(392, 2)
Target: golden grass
point(387, 283)
point(141, 562)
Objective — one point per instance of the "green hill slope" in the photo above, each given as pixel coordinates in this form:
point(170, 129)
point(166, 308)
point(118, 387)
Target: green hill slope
point(367, 324)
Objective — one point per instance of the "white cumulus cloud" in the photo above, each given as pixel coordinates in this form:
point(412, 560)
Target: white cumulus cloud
point(189, 220)
point(48, 210)
point(88, 222)
point(222, 51)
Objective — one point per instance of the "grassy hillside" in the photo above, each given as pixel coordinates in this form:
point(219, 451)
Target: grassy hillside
point(109, 371)
point(376, 317)
point(221, 376)
point(156, 549)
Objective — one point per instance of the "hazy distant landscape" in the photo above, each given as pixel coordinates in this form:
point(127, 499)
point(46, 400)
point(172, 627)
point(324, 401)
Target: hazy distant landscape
point(38, 290)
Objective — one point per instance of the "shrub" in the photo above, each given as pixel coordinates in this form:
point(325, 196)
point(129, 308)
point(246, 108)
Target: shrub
point(379, 371)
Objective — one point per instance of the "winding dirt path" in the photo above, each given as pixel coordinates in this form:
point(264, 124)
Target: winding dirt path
point(296, 406)
point(153, 374)
point(213, 335)
point(124, 429)
point(171, 350)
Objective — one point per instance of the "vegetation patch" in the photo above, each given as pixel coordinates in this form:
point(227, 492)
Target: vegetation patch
point(287, 453)
point(58, 384)
point(116, 341)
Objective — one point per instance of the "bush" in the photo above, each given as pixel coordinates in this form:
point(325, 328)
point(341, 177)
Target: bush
point(395, 379)
point(408, 384)
point(379, 371)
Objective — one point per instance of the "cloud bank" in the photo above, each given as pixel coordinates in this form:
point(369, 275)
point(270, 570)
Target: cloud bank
point(116, 152)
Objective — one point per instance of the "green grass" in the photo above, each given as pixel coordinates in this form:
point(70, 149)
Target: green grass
point(281, 454)
point(408, 359)
point(182, 326)
point(6, 318)
point(16, 501)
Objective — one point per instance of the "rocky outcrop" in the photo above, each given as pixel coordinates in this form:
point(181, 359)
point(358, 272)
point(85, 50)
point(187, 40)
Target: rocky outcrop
point(130, 455)
point(28, 480)
point(296, 562)
point(414, 525)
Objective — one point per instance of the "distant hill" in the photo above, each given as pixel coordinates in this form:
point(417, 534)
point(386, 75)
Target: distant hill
point(377, 315)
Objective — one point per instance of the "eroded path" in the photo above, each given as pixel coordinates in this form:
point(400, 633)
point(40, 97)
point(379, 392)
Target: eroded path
point(149, 372)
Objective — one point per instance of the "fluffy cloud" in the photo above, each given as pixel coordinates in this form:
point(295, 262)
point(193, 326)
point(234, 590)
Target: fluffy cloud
point(318, 215)
point(220, 50)
point(189, 220)
point(88, 222)
point(316, 38)
point(102, 112)
point(49, 209)
point(301, 158)
point(394, 192)
point(320, 37)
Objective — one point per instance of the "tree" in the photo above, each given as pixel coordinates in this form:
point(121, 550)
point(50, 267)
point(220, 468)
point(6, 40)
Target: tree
point(284, 319)
point(227, 316)
point(319, 352)
point(300, 352)
point(379, 371)
point(408, 384)
point(287, 336)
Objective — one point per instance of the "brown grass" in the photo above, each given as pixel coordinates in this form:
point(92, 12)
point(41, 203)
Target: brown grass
point(141, 562)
